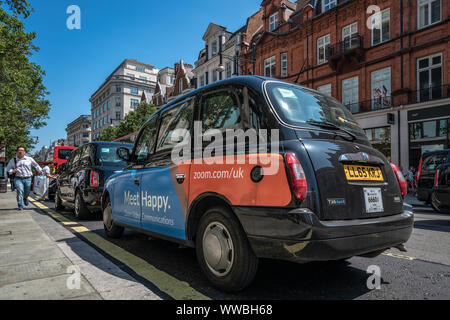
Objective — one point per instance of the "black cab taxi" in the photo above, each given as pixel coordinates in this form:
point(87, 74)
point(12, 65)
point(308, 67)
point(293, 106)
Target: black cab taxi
point(251, 167)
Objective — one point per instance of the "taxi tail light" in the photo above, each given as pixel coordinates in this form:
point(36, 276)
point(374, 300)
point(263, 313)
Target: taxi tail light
point(436, 178)
point(94, 178)
point(400, 179)
point(297, 175)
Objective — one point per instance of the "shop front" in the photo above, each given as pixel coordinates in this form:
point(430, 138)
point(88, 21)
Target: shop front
point(429, 130)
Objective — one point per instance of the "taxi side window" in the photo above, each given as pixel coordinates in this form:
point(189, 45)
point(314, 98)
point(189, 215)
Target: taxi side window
point(220, 111)
point(85, 155)
point(255, 117)
point(175, 126)
point(75, 159)
point(146, 142)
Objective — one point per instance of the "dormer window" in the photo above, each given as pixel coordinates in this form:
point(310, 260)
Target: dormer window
point(328, 4)
point(273, 21)
point(214, 48)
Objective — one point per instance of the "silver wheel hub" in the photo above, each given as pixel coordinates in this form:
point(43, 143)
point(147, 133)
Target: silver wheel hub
point(77, 205)
point(107, 217)
point(218, 249)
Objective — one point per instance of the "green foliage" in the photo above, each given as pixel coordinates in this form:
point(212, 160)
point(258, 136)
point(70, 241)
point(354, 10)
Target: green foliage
point(17, 7)
point(22, 94)
point(131, 123)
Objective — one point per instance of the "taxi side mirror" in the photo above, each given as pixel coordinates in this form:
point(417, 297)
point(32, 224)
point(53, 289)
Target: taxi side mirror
point(123, 154)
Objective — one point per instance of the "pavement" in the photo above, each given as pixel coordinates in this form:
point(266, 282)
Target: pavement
point(40, 259)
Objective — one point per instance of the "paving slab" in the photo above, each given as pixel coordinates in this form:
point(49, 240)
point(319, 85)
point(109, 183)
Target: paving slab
point(33, 270)
point(52, 288)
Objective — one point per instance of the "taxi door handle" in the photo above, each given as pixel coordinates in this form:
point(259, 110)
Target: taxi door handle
point(136, 181)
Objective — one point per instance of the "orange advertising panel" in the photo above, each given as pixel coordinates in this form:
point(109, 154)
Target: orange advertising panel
point(232, 179)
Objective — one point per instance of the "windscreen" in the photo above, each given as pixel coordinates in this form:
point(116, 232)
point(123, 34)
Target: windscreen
point(64, 154)
point(107, 155)
point(297, 106)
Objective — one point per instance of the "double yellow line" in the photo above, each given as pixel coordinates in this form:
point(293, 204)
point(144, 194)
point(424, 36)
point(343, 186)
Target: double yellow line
point(179, 290)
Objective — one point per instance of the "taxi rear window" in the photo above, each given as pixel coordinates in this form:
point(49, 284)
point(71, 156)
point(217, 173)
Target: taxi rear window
point(297, 106)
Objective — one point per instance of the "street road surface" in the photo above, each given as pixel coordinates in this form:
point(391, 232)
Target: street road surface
point(421, 273)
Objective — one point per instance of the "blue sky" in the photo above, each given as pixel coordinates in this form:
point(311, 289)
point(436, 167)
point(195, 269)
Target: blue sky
point(156, 32)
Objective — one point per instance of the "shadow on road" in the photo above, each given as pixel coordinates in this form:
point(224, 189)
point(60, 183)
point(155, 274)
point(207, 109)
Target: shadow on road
point(275, 280)
point(434, 225)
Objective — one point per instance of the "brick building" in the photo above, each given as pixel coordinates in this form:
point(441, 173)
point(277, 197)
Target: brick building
point(387, 60)
point(181, 81)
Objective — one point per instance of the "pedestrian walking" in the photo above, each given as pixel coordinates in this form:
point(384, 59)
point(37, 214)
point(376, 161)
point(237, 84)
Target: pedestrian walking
point(411, 179)
point(47, 171)
point(20, 167)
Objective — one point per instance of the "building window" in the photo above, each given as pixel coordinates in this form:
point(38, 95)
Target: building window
point(214, 73)
point(108, 105)
point(381, 29)
point(134, 103)
point(350, 94)
point(350, 36)
point(228, 69)
point(202, 80)
point(118, 115)
point(180, 86)
point(134, 90)
point(118, 103)
point(140, 68)
point(118, 89)
point(429, 12)
point(273, 21)
point(214, 48)
point(131, 76)
point(325, 89)
point(429, 78)
point(380, 138)
point(284, 64)
point(328, 4)
point(270, 67)
point(144, 79)
point(428, 136)
point(322, 49)
point(381, 89)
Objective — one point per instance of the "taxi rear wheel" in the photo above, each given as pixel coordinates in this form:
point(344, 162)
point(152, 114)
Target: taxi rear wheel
point(223, 251)
point(58, 203)
point(81, 210)
point(111, 229)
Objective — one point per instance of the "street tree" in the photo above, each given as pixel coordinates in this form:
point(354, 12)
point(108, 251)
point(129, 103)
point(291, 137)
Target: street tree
point(132, 122)
point(23, 106)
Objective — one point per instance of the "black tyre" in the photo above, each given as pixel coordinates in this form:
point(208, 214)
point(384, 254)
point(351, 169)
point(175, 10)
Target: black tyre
point(58, 203)
point(111, 229)
point(223, 251)
point(81, 211)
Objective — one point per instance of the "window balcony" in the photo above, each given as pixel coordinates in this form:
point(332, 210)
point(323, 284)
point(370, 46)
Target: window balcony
point(345, 52)
point(429, 94)
point(370, 105)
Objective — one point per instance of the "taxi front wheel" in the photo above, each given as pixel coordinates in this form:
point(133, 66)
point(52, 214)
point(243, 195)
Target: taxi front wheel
point(223, 251)
point(111, 229)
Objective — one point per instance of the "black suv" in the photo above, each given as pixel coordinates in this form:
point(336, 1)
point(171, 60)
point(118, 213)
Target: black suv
point(81, 180)
point(429, 163)
point(440, 197)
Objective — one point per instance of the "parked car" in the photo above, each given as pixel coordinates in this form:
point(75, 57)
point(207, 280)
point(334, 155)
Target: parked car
point(81, 180)
point(429, 163)
point(440, 196)
point(332, 197)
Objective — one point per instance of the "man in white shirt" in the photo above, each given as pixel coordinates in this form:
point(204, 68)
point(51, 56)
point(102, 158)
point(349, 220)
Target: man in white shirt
point(21, 167)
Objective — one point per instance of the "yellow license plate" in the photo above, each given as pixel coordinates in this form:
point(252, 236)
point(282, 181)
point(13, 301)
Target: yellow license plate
point(363, 173)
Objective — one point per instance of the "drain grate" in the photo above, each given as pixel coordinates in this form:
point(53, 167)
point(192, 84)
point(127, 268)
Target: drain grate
point(5, 233)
